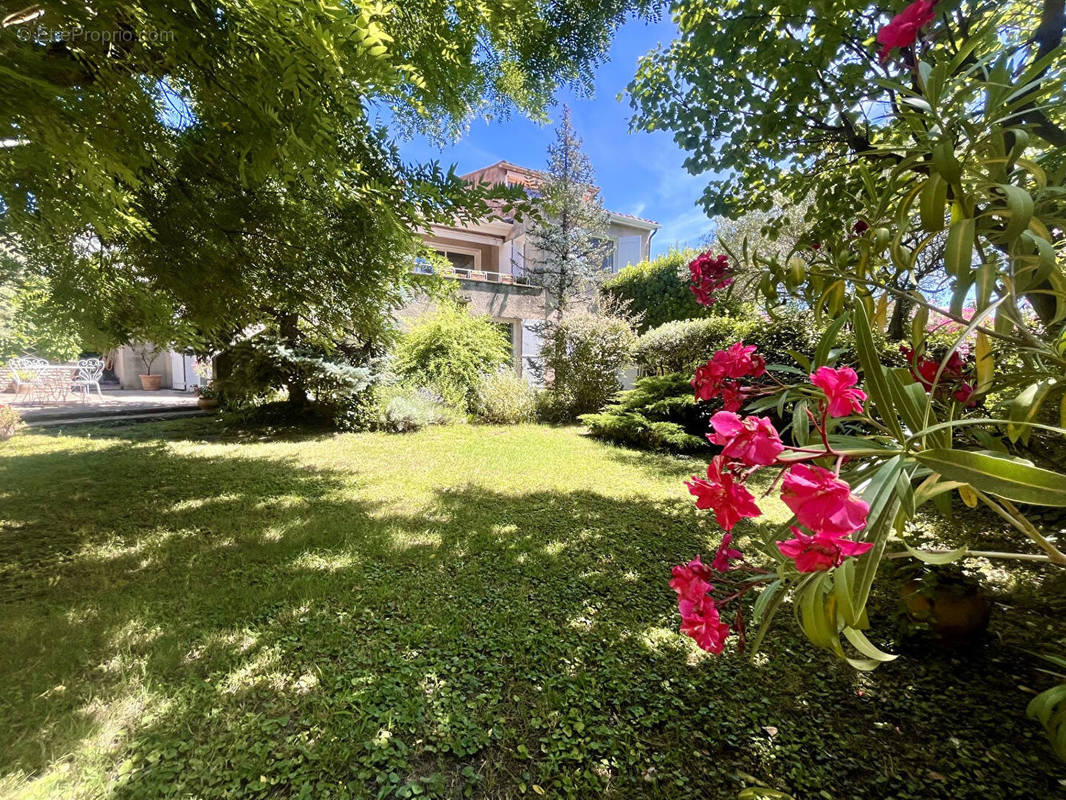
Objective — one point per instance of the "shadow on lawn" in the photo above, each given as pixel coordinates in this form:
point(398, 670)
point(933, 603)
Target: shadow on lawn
point(195, 569)
point(286, 637)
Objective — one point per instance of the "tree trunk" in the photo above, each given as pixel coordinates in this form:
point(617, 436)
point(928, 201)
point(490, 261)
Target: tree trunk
point(897, 324)
point(290, 335)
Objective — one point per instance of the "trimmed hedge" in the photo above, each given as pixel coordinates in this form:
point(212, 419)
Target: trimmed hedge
point(657, 289)
point(683, 346)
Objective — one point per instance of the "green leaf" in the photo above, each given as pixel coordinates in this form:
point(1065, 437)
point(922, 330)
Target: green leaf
point(763, 600)
point(1048, 707)
point(876, 384)
point(958, 253)
point(801, 424)
point(1025, 406)
point(935, 558)
point(1020, 205)
point(843, 577)
point(801, 359)
point(880, 489)
point(865, 646)
point(998, 475)
point(933, 200)
point(762, 793)
point(918, 326)
point(825, 344)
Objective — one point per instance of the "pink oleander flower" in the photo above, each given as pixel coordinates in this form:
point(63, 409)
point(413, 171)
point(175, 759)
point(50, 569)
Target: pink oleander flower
point(838, 385)
point(708, 274)
point(951, 380)
point(903, 30)
point(753, 440)
point(700, 620)
point(699, 615)
point(733, 396)
point(725, 554)
point(739, 361)
point(720, 376)
point(815, 553)
point(691, 579)
point(822, 502)
point(729, 500)
point(964, 394)
point(707, 382)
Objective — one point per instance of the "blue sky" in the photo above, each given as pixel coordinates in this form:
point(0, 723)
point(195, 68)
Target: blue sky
point(639, 173)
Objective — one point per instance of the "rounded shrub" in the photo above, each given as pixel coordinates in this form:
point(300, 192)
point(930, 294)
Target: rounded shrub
point(505, 398)
point(402, 408)
point(682, 346)
point(452, 352)
point(580, 361)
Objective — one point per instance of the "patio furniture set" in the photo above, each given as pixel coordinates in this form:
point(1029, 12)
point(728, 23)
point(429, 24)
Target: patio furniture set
point(42, 383)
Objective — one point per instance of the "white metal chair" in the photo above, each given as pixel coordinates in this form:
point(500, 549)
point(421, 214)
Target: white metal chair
point(87, 377)
point(25, 372)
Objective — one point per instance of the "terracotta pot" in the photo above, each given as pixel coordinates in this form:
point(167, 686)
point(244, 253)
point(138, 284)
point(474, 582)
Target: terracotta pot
point(954, 613)
point(207, 403)
point(151, 383)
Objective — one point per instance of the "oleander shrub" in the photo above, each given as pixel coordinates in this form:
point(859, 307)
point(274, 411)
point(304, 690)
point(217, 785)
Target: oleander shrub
point(505, 398)
point(452, 352)
point(659, 413)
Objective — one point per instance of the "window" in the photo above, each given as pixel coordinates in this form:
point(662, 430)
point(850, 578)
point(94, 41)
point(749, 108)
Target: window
point(461, 260)
point(609, 259)
point(629, 250)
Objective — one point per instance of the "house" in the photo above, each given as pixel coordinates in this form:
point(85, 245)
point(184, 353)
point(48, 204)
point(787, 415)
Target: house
point(488, 260)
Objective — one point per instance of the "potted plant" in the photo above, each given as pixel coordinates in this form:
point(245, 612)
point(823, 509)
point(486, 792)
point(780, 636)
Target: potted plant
point(945, 600)
point(148, 354)
point(207, 397)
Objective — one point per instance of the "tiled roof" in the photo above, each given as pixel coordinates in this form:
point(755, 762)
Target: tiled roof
point(634, 216)
point(505, 165)
point(520, 168)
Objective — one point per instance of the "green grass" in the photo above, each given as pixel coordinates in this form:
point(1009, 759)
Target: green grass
point(465, 611)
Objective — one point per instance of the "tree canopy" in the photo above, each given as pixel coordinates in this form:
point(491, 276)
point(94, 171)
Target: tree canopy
point(791, 96)
point(219, 164)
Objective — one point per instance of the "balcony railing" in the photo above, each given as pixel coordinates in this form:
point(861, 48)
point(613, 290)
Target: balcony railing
point(486, 276)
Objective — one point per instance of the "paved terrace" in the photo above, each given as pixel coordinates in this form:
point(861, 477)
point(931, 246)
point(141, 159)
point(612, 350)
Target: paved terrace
point(114, 403)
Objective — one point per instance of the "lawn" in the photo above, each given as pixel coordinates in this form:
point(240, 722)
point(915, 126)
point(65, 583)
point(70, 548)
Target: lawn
point(465, 611)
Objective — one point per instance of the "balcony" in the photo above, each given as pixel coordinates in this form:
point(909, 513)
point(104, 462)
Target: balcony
point(482, 276)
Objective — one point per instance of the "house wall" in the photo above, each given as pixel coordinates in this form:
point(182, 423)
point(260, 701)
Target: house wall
point(128, 367)
point(521, 306)
point(623, 234)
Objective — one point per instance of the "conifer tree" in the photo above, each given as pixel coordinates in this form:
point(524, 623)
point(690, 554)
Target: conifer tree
point(570, 239)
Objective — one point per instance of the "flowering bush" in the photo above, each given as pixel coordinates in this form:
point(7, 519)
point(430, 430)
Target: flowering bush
point(708, 275)
point(10, 421)
point(972, 180)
